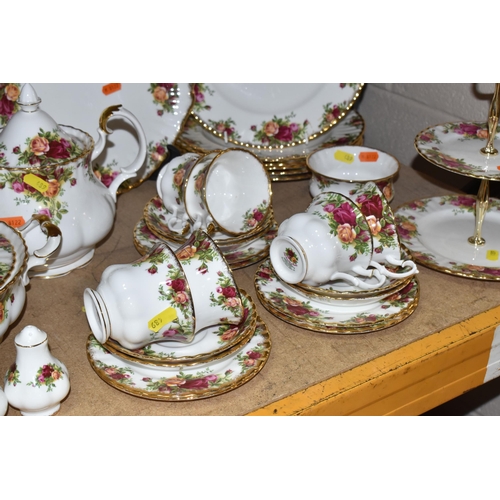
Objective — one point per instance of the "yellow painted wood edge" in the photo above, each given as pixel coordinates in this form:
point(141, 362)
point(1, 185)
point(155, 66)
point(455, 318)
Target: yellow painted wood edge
point(408, 380)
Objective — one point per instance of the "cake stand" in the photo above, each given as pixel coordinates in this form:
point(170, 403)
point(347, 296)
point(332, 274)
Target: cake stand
point(438, 231)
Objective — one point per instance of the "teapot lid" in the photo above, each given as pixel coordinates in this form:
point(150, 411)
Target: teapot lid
point(32, 138)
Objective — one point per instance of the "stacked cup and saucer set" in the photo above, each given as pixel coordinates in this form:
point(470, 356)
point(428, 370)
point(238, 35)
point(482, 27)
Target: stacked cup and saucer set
point(173, 325)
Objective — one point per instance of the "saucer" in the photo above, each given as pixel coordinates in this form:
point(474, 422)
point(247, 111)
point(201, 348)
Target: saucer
point(456, 147)
point(272, 115)
point(218, 341)
point(237, 256)
point(188, 383)
point(435, 232)
point(288, 304)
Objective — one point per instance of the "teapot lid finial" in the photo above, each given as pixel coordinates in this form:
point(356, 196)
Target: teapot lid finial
point(28, 99)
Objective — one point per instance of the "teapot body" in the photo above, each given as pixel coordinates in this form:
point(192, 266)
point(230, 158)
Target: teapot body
point(70, 194)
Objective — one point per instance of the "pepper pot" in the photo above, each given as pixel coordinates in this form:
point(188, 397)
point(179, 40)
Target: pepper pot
point(36, 382)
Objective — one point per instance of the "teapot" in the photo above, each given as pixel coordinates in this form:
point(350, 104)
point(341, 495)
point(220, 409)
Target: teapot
point(46, 168)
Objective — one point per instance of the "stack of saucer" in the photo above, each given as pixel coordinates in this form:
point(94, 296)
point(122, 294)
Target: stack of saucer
point(186, 201)
point(220, 360)
point(335, 307)
point(339, 267)
point(181, 330)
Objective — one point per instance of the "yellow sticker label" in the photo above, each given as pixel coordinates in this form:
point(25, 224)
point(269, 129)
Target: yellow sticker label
point(343, 156)
point(37, 183)
point(14, 221)
point(162, 319)
point(492, 254)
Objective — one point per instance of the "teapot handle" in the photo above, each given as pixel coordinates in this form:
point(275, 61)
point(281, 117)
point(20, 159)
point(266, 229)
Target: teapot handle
point(54, 239)
point(130, 171)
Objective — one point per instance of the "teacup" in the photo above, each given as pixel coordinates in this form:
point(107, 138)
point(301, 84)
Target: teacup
point(368, 201)
point(324, 245)
point(196, 209)
point(237, 192)
point(170, 185)
point(216, 297)
point(146, 301)
point(16, 261)
point(344, 169)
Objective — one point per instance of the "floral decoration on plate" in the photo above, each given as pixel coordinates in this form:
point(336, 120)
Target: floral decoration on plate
point(290, 305)
point(272, 115)
point(456, 147)
point(187, 383)
point(435, 231)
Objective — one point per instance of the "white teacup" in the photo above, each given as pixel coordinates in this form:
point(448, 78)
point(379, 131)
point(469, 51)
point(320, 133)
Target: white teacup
point(216, 297)
point(237, 192)
point(146, 301)
point(344, 169)
point(170, 186)
point(16, 261)
point(333, 244)
point(196, 209)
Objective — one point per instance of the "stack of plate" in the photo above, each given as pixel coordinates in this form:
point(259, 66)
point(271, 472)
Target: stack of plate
point(220, 359)
point(239, 251)
point(337, 307)
point(280, 123)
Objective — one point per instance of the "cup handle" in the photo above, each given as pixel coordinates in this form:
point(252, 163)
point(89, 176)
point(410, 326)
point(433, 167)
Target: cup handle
point(175, 220)
point(407, 263)
point(130, 171)
point(54, 239)
point(371, 273)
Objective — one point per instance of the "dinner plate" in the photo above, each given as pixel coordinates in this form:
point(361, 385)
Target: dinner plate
point(272, 115)
point(435, 231)
point(187, 383)
point(159, 107)
point(194, 138)
point(217, 341)
point(456, 146)
point(290, 305)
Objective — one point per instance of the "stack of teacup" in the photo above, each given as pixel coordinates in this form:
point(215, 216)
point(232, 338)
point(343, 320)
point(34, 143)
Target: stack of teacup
point(171, 316)
point(225, 193)
point(343, 250)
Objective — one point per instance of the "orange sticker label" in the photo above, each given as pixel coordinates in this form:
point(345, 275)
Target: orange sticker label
point(111, 87)
point(35, 182)
point(368, 156)
point(343, 156)
point(162, 319)
point(14, 221)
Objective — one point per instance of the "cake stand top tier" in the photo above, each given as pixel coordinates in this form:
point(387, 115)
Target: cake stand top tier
point(456, 146)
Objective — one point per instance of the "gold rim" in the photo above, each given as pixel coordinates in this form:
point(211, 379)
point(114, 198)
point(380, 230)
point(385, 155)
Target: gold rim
point(430, 160)
point(283, 146)
point(204, 194)
point(193, 395)
point(345, 329)
point(188, 147)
